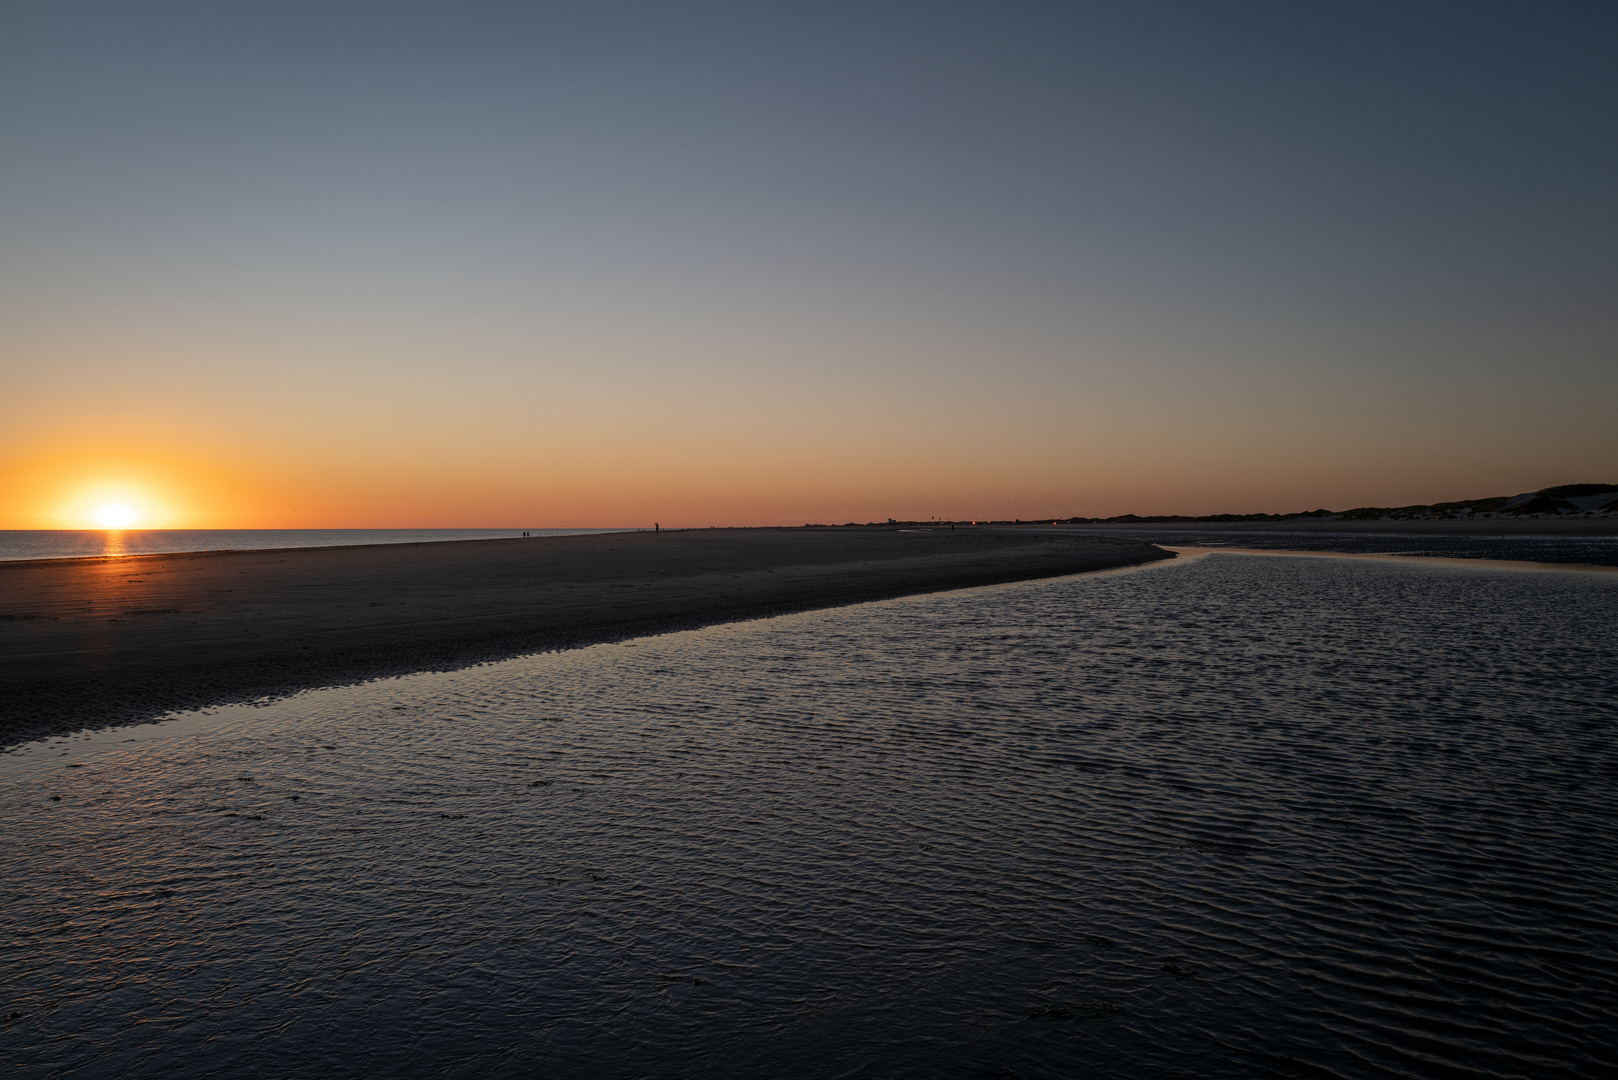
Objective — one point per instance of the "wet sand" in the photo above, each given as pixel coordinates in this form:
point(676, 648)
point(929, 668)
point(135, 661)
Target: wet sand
point(92, 642)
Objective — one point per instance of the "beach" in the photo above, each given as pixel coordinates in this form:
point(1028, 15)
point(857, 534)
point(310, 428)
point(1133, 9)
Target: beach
point(92, 642)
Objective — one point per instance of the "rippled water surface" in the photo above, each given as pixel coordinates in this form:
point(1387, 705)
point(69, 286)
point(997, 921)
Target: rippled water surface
point(1226, 817)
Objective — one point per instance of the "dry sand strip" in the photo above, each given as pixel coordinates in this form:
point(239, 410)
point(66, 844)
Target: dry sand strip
point(92, 642)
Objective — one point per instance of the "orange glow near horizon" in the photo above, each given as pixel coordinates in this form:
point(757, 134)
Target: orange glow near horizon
point(255, 431)
point(626, 482)
point(715, 453)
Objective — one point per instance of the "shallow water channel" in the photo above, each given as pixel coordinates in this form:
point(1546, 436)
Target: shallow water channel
point(1230, 816)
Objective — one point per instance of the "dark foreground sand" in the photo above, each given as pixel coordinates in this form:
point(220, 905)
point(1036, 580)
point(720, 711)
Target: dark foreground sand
point(91, 642)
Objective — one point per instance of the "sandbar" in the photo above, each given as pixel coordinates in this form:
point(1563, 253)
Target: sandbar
point(1422, 560)
point(1566, 525)
point(101, 641)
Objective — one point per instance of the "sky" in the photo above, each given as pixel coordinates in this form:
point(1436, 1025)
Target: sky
point(482, 264)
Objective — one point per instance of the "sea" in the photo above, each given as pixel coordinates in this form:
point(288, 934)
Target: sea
point(1228, 816)
point(88, 543)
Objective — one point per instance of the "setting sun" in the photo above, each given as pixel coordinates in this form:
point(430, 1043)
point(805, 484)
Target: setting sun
point(99, 489)
point(115, 516)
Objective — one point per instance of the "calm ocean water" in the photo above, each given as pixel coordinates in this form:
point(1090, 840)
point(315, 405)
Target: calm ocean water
point(1236, 816)
point(75, 543)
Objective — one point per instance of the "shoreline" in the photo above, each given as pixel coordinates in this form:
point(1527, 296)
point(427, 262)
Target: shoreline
point(103, 641)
